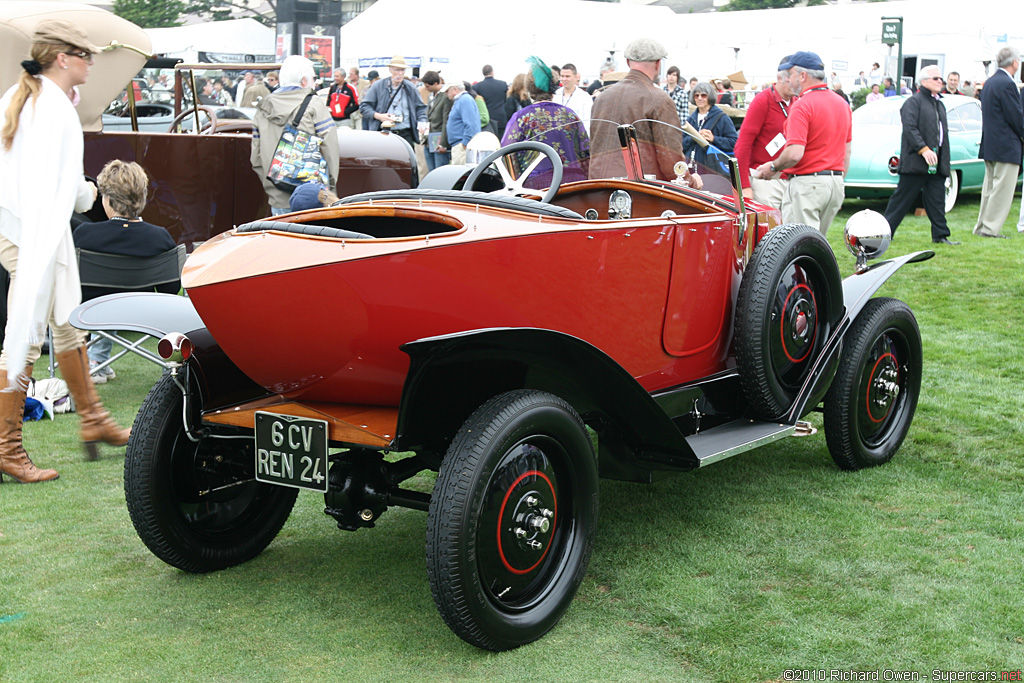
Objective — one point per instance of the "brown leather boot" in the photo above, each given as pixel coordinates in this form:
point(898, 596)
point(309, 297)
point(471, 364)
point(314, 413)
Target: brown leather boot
point(14, 461)
point(96, 423)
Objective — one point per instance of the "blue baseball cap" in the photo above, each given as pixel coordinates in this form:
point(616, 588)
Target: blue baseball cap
point(306, 196)
point(805, 60)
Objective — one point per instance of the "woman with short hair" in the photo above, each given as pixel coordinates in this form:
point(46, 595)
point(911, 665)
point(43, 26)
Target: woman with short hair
point(713, 125)
point(124, 186)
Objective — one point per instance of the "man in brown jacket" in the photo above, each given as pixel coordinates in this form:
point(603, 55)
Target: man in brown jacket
point(630, 100)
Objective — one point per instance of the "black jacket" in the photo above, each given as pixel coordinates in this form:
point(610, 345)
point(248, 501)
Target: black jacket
point(1002, 121)
point(922, 115)
point(494, 93)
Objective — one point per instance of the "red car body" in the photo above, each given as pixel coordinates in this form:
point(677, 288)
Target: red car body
point(494, 339)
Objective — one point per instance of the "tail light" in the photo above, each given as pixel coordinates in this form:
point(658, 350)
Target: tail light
point(894, 164)
point(175, 347)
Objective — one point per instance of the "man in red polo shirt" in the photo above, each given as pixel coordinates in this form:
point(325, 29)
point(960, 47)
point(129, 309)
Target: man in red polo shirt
point(761, 139)
point(818, 134)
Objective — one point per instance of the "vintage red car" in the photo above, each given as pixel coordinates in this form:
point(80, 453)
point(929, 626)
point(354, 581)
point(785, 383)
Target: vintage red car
point(495, 338)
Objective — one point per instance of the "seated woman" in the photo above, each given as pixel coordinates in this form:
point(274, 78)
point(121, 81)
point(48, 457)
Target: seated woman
point(550, 123)
point(124, 187)
point(713, 125)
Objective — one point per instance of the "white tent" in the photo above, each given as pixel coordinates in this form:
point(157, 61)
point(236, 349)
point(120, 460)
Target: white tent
point(470, 33)
point(952, 34)
point(847, 36)
point(230, 41)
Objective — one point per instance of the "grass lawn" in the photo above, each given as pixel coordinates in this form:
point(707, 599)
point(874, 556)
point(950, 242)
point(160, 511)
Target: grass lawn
point(770, 561)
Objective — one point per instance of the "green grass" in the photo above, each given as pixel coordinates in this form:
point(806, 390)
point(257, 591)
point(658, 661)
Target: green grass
point(769, 561)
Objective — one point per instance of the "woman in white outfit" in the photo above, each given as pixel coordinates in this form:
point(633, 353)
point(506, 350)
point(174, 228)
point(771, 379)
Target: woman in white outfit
point(41, 184)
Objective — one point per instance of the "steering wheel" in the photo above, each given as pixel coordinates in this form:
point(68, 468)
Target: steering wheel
point(211, 124)
point(514, 186)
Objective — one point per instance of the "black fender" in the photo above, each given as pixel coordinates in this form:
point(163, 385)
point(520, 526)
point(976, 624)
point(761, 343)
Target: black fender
point(857, 291)
point(450, 376)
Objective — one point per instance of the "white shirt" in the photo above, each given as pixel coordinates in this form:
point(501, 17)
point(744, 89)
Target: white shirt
point(580, 102)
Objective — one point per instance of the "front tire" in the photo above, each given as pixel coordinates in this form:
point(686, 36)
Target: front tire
point(512, 519)
point(871, 403)
point(196, 506)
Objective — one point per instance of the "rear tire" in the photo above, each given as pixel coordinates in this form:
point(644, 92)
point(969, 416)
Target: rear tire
point(512, 519)
point(871, 403)
point(196, 506)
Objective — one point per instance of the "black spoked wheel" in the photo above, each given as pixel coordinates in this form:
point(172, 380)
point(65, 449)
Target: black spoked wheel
point(789, 302)
point(196, 506)
point(871, 403)
point(512, 519)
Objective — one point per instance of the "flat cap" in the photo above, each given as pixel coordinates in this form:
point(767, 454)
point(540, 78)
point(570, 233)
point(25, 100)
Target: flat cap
point(645, 50)
point(805, 60)
point(60, 32)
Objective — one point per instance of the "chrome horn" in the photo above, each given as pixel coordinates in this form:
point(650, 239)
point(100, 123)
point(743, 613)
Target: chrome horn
point(867, 236)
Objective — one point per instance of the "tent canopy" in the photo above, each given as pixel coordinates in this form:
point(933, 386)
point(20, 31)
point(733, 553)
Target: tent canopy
point(557, 31)
point(705, 45)
point(230, 40)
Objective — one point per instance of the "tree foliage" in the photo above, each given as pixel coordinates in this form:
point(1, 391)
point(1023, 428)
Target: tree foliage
point(220, 10)
point(738, 5)
point(150, 13)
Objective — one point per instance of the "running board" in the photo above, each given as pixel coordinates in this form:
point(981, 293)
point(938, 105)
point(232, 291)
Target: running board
point(734, 438)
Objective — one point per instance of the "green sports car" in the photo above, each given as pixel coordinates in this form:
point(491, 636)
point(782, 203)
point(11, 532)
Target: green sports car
point(875, 153)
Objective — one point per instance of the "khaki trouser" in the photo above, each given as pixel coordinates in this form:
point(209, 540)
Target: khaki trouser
point(459, 154)
point(768, 192)
point(813, 200)
point(65, 337)
point(996, 196)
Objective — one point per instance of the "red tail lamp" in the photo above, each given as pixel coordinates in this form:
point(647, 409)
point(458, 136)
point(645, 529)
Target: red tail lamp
point(175, 347)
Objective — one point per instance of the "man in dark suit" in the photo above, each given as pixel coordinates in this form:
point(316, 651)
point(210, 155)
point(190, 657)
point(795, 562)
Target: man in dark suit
point(1002, 143)
point(924, 156)
point(494, 93)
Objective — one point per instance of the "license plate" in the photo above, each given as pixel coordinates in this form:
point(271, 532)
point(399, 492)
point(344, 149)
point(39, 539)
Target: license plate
point(291, 451)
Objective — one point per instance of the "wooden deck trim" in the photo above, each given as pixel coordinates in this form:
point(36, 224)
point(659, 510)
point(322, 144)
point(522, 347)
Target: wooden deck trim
point(365, 425)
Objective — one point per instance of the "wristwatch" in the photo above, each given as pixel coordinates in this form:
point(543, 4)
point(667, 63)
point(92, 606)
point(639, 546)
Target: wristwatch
point(771, 165)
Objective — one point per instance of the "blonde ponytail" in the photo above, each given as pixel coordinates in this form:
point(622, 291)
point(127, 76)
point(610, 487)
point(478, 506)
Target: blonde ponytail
point(44, 54)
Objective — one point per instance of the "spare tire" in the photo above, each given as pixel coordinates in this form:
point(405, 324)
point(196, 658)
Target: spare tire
point(789, 303)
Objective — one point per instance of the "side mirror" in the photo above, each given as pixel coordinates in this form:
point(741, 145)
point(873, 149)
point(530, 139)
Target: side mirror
point(867, 236)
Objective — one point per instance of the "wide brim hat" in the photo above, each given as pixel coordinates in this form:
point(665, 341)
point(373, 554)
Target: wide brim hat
point(60, 32)
point(398, 62)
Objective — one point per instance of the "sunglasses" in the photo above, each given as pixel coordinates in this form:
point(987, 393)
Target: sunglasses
point(81, 54)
